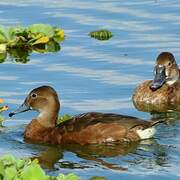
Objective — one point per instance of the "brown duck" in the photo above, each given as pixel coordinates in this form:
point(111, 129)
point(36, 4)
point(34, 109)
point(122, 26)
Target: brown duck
point(163, 93)
point(87, 128)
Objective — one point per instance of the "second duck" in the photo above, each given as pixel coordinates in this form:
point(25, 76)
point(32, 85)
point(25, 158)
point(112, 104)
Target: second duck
point(163, 93)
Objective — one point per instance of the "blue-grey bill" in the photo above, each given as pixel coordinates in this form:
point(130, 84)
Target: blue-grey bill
point(159, 79)
point(22, 108)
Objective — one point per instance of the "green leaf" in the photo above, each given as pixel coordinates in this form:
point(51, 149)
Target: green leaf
point(3, 57)
point(44, 29)
point(8, 160)
point(3, 37)
point(33, 172)
point(34, 37)
point(70, 176)
point(59, 35)
point(10, 173)
point(13, 32)
point(53, 46)
point(2, 169)
point(3, 48)
point(41, 40)
point(21, 162)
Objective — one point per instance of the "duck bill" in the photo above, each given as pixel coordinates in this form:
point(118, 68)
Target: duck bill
point(23, 108)
point(159, 79)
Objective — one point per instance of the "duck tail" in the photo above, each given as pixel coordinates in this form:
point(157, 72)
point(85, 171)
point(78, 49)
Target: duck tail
point(156, 122)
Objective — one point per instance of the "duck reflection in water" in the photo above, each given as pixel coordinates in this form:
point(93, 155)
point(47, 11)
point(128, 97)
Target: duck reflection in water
point(122, 155)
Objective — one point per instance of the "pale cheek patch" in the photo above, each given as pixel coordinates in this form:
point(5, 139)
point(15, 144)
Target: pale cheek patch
point(146, 133)
point(172, 80)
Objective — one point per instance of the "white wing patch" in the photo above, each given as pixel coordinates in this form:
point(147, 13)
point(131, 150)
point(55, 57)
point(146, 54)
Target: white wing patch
point(146, 133)
point(110, 139)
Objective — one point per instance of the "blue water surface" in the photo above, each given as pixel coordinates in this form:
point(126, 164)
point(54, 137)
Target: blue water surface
point(92, 75)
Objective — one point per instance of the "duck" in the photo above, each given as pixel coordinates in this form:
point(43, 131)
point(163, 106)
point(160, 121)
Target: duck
point(162, 94)
point(85, 128)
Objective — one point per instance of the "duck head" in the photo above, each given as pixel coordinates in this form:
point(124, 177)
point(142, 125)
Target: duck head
point(45, 100)
point(166, 71)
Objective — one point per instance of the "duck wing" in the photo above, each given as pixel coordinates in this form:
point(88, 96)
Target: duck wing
point(91, 118)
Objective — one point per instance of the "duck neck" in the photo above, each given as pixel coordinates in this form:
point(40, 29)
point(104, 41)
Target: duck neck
point(46, 119)
point(48, 115)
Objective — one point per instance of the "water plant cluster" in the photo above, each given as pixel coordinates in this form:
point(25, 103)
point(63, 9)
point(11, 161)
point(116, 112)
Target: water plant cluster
point(12, 168)
point(19, 42)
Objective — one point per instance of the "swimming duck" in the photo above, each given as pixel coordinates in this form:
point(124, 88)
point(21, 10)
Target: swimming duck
point(87, 128)
point(163, 93)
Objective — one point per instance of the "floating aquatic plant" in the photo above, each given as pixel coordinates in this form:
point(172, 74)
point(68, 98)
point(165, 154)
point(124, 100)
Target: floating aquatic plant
point(26, 169)
point(98, 178)
point(63, 118)
point(101, 34)
point(19, 42)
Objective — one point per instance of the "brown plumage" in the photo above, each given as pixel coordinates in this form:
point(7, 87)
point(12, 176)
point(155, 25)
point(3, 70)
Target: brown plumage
point(163, 93)
point(87, 128)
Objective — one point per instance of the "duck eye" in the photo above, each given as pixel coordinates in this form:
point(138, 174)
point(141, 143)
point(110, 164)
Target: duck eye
point(34, 95)
point(169, 64)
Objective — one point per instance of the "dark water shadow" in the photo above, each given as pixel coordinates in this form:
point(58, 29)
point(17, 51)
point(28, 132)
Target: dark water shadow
point(134, 154)
point(96, 153)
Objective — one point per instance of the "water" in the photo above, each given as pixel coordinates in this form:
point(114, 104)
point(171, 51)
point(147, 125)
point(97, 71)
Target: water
point(91, 75)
